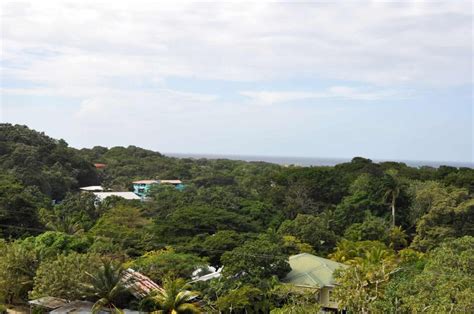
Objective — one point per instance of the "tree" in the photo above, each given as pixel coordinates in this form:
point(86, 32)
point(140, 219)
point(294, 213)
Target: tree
point(76, 213)
point(256, 260)
point(363, 283)
point(290, 299)
point(166, 262)
point(19, 206)
point(18, 263)
point(447, 281)
point(347, 251)
point(65, 276)
point(398, 238)
point(372, 228)
point(37, 160)
point(366, 194)
point(292, 245)
point(106, 285)
point(441, 281)
point(202, 219)
point(450, 215)
point(314, 230)
point(298, 201)
point(126, 227)
point(423, 194)
point(51, 243)
point(213, 246)
point(245, 299)
point(392, 190)
point(174, 297)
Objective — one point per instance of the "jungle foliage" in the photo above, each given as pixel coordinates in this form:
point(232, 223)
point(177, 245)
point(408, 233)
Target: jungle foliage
point(405, 233)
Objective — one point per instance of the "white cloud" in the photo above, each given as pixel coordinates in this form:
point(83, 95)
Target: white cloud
point(83, 43)
point(336, 92)
point(113, 59)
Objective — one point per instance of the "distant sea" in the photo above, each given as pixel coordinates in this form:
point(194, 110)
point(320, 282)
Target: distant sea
point(316, 161)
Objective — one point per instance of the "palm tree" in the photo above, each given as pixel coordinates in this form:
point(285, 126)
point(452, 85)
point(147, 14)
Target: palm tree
point(174, 298)
point(107, 285)
point(345, 250)
point(60, 221)
point(392, 191)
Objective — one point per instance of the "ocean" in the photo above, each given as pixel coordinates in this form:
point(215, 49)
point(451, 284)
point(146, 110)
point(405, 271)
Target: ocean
point(315, 161)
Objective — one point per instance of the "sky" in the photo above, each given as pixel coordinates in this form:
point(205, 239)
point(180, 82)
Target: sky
point(383, 80)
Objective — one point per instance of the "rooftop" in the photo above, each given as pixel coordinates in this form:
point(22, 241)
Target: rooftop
point(50, 303)
point(138, 284)
point(92, 188)
point(126, 195)
point(84, 307)
point(171, 181)
point(74, 307)
point(145, 182)
point(311, 271)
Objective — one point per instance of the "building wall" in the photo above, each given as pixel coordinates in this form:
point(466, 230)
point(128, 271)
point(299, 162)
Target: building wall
point(142, 189)
point(326, 299)
point(137, 189)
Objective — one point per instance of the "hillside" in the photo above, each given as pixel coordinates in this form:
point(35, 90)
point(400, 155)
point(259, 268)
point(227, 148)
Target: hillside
point(35, 159)
point(401, 226)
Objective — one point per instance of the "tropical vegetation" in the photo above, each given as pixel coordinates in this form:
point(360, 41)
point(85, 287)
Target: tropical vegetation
point(404, 233)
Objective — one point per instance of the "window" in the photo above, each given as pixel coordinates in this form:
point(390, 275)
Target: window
point(330, 296)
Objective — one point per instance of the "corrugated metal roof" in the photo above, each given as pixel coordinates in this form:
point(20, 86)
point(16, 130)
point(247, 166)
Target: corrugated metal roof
point(311, 271)
point(76, 307)
point(171, 181)
point(145, 182)
point(92, 188)
point(48, 302)
point(126, 195)
point(138, 284)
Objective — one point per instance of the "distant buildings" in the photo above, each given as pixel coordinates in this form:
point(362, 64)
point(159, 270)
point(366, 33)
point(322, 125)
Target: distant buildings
point(142, 187)
point(310, 271)
point(101, 194)
point(126, 195)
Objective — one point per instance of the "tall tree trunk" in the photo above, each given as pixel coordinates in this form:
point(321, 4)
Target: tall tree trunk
point(393, 210)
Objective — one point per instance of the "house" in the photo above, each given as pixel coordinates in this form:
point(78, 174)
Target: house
point(100, 166)
point(310, 271)
point(126, 195)
point(142, 187)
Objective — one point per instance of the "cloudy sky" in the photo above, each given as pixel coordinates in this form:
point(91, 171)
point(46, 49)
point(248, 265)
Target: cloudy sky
point(390, 80)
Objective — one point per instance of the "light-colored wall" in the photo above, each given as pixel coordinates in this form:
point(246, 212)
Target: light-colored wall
point(324, 298)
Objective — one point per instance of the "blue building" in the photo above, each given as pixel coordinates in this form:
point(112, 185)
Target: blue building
point(142, 187)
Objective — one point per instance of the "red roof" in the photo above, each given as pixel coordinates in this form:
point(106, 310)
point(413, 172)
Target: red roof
point(100, 166)
point(138, 284)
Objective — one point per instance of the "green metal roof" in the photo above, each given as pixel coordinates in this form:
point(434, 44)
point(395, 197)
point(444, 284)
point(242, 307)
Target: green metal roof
point(311, 271)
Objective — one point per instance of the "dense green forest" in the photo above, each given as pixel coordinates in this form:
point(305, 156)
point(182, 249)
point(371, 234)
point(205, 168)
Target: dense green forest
point(405, 233)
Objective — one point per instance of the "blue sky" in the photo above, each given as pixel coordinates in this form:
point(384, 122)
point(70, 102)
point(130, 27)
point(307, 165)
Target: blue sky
point(384, 80)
